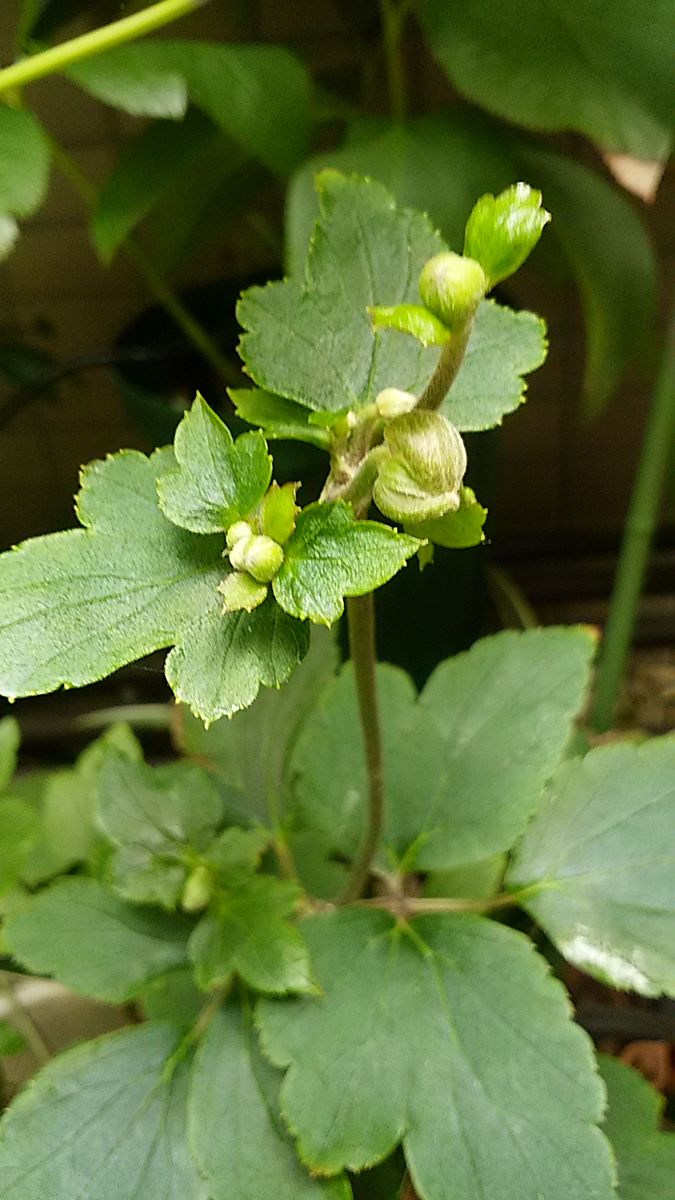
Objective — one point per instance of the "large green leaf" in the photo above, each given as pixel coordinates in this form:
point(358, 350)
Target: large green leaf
point(613, 261)
point(248, 931)
point(645, 1157)
point(107, 1120)
point(448, 1035)
point(79, 932)
point(75, 606)
point(155, 817)
point(230, 1081)
point(599, 68)
point(217, 480)
point(465, 765)
point(331, 555)
point(258, 95)
point(603, 873)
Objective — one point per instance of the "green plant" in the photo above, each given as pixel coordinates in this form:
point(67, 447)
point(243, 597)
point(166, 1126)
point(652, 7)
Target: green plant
point(314, 916)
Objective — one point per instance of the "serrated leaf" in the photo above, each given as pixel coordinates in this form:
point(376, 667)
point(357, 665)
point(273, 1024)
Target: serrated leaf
point(10, 736)
point(257, 94)
point(218, 480)
point(612, 258)
point(250, 755)
point(493, 1092)
point(604, 876)
point(11, 1041)
point(278, 418)
point(76, 606)
point(24, 162)
point(455, 530)
point(645, 1156)
point(144, 172)
point(248, 931)
point(155, 817)
point(332, 358)
point(106, 1119)
point(230, 1078)
point(601, 69)
point(465, 765)
point(82, 934)
point(331, 555)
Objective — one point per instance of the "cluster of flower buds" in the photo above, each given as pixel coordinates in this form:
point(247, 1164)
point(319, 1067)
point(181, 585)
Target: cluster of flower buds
point(255, 549)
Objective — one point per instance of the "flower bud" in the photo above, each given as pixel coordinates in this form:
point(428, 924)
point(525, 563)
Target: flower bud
point(422, 477)
point(452, 287)
point(258, 556)
point(198, 889)
point(392, 402)
point(240, 529)
point(502, 230)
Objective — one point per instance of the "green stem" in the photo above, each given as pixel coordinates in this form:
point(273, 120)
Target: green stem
point(23, 1021)
point(361, 616)
point(394, 14)
point(155, 282)
point(59, 58)
point(639, 530)
point(447, 369)
point(410, 906)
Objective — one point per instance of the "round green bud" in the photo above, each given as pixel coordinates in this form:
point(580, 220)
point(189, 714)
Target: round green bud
point(257, 555)
point(421, 479)
point(392, 402)
point(452, 287)
point(198, 889)
point(238, 531)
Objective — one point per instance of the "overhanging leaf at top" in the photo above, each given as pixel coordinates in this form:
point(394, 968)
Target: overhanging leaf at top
point(603, 872)
point(366, 252)
point(450, 1036)
point(465, 764)
point(78, 605)
point(645, 1156)
point(105, 1120)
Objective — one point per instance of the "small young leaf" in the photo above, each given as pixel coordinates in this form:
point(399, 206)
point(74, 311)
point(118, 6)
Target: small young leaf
point(235, 854)
point(106, 1117)
point(451, 1036)
point(10, 736)
point(154, 817)
point(605, 877)
point(278, 418)
point(645, 1156)
point(230, 1078)
point(413, 319)
point(277, 512)
point(11, 1041)
point(218, 480)
point(331, 555)
point(248, 931)
point(241, 592)
point(455, 530)
point(79, 932)
point(503, 230)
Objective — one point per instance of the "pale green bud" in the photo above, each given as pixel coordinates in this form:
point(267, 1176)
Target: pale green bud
point(392, 402)
point(198, 889)
point(422, 477)
point(502, 230)
point(452, 287)
point(257, 555)
point(238, 531)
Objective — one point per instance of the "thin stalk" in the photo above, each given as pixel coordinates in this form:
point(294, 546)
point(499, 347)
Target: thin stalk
point(361, 617)
point(59, 58)
point(447, 369)
point(155, 282)
point(25, 1024)
point(639, 531)
point(417, 906)
point(394, 13)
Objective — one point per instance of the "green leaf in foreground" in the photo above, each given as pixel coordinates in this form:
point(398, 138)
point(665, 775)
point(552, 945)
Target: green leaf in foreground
point(218, 480)
point(493, 1092)
point(231, 1080)
point(76, 606)
point(105, 1119)
point(79, 932)
point(248, 931)
point(604, 876)
point(331, 555)
point(645, 1156)
point(465, 764)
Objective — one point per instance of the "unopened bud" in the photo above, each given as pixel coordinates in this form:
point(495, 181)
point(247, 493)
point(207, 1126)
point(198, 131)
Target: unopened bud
point(238, 531)
point(257, 555)
point(422, 478)
point(502, 230)
point(452, 287)
point(392, 402)
point(198, 889)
